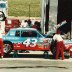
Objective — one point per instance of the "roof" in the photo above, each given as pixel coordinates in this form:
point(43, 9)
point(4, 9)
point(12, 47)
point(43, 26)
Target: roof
point(23, 29)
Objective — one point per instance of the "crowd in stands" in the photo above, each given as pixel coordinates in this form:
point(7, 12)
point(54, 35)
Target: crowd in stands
point(31, 24)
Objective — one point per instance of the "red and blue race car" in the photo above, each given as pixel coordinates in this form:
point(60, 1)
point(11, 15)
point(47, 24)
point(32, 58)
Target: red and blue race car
point(29, 39)
point(25, 39)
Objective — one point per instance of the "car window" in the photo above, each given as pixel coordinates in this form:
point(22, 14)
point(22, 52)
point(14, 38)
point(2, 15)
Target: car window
point(17, 34)
point(11, 33)
point(28, 34)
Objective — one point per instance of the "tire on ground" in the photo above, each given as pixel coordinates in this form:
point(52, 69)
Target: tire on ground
point(8, 47)
point(53, 47)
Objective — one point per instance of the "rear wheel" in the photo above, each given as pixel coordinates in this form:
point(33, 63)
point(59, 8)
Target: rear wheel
point(46, 55)
point(8, 47)
point(67, 54)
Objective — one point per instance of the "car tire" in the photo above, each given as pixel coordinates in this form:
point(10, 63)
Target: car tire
point(67, 54)
point(8, 47)
point(53, 48)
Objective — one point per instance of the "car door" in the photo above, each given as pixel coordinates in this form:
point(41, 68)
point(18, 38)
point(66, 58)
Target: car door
point(30, 38)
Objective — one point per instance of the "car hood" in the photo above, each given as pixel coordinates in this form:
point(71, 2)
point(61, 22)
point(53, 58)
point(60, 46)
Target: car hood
point(68, 41)
point(65, 28)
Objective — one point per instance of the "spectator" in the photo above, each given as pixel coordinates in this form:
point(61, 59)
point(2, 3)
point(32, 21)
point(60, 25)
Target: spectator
point(37, 25)
point(24, 23)
point(29, 23)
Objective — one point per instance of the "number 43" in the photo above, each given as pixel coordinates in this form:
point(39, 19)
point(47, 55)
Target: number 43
point(30, 41)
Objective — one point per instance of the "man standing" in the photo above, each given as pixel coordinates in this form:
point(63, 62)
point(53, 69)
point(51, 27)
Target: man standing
point(2, 31)
point(1, 44)
point(60, 44)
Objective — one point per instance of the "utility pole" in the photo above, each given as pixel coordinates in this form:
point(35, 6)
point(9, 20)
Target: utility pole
point(44, 15)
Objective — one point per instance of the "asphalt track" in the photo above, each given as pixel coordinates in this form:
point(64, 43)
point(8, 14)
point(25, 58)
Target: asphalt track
point(33, 60)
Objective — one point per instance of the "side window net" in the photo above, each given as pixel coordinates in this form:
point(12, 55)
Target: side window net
point(28, 34)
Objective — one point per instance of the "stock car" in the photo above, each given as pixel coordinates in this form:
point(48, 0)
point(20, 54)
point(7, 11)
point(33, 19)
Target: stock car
point(25, 39)
point(50, 34)
point(30, 39)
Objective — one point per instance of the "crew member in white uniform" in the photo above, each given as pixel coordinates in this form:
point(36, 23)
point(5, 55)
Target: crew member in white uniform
point(60, 44)
point(1, 44)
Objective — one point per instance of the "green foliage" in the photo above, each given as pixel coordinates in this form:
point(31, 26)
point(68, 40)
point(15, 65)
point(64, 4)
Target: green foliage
point(24, 8)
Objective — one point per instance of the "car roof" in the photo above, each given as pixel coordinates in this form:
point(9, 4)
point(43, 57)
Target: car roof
point(23, 29)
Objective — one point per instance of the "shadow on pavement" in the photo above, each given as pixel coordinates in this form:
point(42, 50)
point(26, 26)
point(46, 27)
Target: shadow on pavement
point(31, 56)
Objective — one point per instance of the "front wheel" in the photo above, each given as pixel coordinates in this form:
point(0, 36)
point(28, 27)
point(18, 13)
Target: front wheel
point(8, 47)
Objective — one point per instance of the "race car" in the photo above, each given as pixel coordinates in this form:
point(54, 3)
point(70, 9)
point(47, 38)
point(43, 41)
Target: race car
point(31, 39)
point(25, 39)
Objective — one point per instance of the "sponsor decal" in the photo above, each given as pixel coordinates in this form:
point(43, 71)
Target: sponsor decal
point(30, 42)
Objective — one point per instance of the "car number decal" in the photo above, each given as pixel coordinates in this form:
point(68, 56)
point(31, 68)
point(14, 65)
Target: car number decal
point(30, 42)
